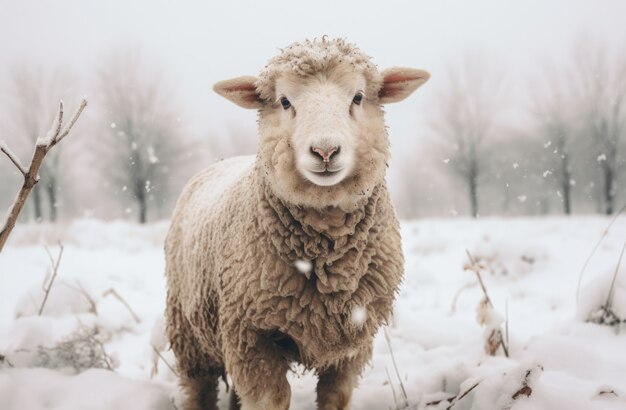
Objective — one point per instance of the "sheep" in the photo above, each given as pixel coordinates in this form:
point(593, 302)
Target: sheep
point(293, 255)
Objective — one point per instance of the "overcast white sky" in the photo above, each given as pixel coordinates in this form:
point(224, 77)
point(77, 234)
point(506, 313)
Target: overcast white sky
point(198, 43)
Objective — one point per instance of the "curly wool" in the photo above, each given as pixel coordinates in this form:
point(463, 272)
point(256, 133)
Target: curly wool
point(314, 57)
point(241, 227)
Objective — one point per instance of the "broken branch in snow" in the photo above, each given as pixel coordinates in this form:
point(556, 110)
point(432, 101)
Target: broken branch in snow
point(487, 313)
point(31, 174)
point(47, 285)
point(117, 296)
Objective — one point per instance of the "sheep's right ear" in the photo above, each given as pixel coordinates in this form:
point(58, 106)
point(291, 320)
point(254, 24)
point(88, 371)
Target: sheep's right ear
point(400, 82)
point(241, 91)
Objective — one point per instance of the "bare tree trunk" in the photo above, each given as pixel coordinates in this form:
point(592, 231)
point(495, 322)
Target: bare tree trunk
point(609, 191)
point(566, 177)
point(472, 181)
point(51, 190)
point(37, 203)
point(140, 196)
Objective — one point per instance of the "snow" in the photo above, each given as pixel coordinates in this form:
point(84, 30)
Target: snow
point(557, 360)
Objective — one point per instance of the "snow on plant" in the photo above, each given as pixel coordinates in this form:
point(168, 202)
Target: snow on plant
point(486, 314)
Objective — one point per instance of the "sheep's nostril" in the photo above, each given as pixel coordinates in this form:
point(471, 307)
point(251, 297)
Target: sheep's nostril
point(325, 155)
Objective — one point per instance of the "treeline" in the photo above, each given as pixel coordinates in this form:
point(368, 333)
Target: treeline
point(563, 151)
point(558, 147)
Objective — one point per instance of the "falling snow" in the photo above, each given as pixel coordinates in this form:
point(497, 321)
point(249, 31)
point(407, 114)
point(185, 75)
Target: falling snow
point(358, 315)
point(303, 266)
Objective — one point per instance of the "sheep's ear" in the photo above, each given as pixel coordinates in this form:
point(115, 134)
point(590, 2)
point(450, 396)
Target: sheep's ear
point(241, 91)
point(400, 82)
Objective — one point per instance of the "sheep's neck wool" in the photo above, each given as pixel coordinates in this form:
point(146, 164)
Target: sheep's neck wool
point(334, 241)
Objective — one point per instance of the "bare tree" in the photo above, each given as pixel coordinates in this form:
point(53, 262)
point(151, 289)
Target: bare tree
point(555, 112)
point(602, 86)
point(466, 120)
point(34, 92)
point(141, 143)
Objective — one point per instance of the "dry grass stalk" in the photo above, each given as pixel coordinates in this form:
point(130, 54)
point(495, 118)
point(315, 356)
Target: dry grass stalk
point(393, 390)
point(79, 287)
point(458, 294)
point(31, 173)
point(405, 398)
point(117, 296)
point(495, 339)
point(47, 285)
point(155, 363)
point(593, 251)
point(604, 315)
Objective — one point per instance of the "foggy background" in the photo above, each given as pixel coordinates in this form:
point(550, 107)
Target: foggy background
point(525, 112)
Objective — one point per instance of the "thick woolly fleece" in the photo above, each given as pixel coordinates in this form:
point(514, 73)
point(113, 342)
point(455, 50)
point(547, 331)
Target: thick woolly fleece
point(236, 301)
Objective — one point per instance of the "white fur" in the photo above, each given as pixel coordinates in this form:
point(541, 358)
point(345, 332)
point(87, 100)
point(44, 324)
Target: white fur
point(322, 116)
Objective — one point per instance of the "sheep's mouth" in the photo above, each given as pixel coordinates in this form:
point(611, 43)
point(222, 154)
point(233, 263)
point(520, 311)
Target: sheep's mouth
point(326, 173)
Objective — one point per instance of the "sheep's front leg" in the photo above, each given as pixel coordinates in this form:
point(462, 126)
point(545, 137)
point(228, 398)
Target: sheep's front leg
point(259, 372)
point(335, 384)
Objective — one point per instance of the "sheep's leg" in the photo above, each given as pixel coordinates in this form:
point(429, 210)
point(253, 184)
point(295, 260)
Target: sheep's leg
point(199, 375)
point(234, 400)
point(335, 384)
point(259, 373)
point(201, 390)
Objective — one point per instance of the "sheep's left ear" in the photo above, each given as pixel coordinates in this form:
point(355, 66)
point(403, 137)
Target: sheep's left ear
point(241, 91)
point(399, 83)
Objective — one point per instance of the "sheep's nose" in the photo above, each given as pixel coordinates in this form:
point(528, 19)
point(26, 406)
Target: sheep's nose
point(326, 155)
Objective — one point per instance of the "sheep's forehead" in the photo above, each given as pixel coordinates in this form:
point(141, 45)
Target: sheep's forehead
point(344, 82)
point(314, 57)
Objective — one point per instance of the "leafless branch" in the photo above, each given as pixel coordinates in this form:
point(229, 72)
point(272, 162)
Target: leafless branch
point(609, 298)
point(31, 176)
point(14, 159)
point(54, 265)
point(117, 296)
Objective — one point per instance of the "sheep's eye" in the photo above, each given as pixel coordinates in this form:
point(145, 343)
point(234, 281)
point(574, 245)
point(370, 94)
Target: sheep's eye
point(285, 102)
point(358, 97)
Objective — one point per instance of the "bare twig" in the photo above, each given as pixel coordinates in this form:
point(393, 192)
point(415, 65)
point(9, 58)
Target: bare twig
point(474, 267)
point(54, 265)
point(14, 159)
point(108, 361)
point(31, 175)
point(117, 296)
point(460, 396)
point(169, 366)
point(593, 251)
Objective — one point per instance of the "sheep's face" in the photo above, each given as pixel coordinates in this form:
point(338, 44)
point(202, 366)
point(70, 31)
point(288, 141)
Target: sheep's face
point(323, 136)
point(323, 117)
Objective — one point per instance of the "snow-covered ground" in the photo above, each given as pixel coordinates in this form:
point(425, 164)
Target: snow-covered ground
point(60, 360)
